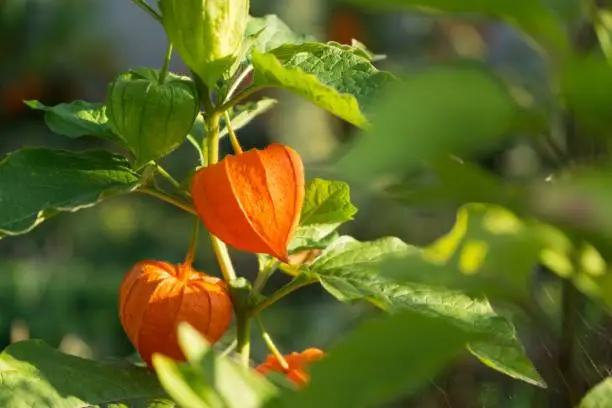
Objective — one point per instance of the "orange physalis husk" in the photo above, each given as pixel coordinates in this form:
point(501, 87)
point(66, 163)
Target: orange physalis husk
point(156, 296)
point(253, 200)
point(297, 362)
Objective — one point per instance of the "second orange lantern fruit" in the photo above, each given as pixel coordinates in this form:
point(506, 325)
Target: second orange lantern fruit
point(253, 200)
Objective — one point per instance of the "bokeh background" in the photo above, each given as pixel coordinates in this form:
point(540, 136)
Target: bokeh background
point(60, 282)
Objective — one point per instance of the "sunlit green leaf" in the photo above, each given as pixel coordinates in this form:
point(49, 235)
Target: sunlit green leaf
point(33, 374)
point(327, 202)
point(36, 184)
point(333, 78)
point(350, 270)
point(76, 119)
point(599, 396)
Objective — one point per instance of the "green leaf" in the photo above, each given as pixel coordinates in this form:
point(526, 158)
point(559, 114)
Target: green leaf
point(599, 396)
point(531, 16)
point(270, 32)
point(457, 182)
point(37, 183)
point(34, 374)
point(327, 202)
point(487, 244)
point(345, 68)
point(360, 49)
point(437, 112)
point(586, 191)
point(208, 380)
point(244, 114)
point(331, 77)
point(394, 354)
point(327, 205)
point(76, 119)
point(603, 28)
point(349, 270)
point(584, 82)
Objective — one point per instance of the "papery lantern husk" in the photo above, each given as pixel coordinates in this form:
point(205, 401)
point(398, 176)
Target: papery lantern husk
point(253, 200)
point(156, 296)
point(152, 118)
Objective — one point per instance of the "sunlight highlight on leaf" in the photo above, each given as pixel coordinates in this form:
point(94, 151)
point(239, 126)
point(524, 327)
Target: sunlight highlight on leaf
point(472, 256)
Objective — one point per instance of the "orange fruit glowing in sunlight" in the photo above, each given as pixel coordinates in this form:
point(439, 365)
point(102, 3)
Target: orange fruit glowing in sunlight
point(252, 200)
point(156, 296)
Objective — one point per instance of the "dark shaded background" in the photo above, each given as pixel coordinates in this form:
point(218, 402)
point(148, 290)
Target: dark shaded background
point(60, 282)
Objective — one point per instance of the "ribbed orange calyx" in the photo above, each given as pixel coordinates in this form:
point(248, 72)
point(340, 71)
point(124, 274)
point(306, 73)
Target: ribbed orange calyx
point(253, 200)
point(156, 296)
point(297, 362)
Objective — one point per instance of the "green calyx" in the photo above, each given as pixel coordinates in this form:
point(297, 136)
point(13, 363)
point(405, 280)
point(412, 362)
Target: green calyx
point(152, 118)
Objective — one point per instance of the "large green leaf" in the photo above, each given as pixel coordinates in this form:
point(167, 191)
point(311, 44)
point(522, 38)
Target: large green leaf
point(382, 359)
point(32, 374)
point(585, 81)
point(332, 77)
point(37, 183)
point(270, 32)
point(456, 182)
point(531, 16)
point(76, 119)
point(437, 112)
point(209, 380)
point(345, 68)
point(489, 249)
point(349, 270)
point(599, 396)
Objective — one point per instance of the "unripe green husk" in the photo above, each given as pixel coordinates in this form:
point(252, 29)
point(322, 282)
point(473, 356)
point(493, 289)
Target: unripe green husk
point(207, 34)
point(152, 118)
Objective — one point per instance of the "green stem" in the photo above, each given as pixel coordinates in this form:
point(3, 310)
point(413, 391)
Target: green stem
point(271, 346)
point(167, 176)
point(223, 258)
point(230, 348)
point(220, 249)
point(169, 199)
point(243, 337)
point(264, 275)
point(193, 242)
point(570, 306)
point(164, 71)
point(279, 294)
point(240, 97)
point(212, 129)
point(230, 130)
point(145, 6)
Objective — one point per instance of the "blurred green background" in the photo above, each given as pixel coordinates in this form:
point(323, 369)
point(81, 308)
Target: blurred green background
point(60, 282)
